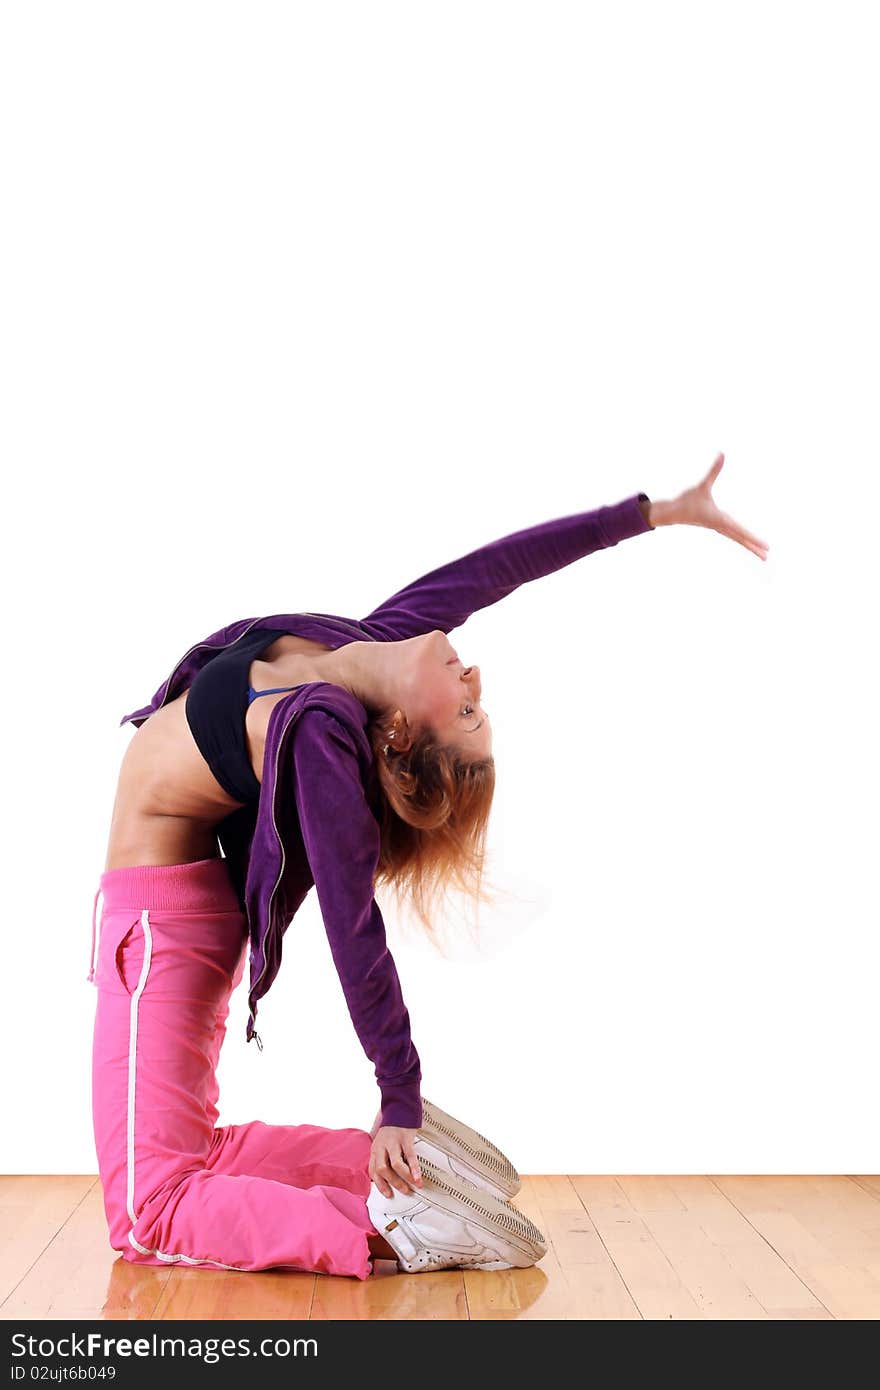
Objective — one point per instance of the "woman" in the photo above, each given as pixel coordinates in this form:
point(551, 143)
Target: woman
point(313, 750)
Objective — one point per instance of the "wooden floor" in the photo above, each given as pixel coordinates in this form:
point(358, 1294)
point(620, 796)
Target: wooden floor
point(620, 1247)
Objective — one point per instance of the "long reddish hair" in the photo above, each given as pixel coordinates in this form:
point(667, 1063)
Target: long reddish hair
point(434, 814)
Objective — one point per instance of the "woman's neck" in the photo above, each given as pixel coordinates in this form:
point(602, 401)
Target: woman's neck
point(367, 669)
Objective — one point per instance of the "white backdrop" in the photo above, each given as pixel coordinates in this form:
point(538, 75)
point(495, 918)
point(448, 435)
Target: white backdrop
point(304, 300)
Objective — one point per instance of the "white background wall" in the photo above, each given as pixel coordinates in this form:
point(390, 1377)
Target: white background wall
point(302, 301)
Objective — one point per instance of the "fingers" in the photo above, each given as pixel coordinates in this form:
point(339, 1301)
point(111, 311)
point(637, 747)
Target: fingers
point(400, 1169)
point(413, 1164)
point(713, 471)
point(379, 1173)
point(390, 1168)
point(730, 527)
point(377, 1169)
point(384, 1187)
point(738, 533)
point(757, 547)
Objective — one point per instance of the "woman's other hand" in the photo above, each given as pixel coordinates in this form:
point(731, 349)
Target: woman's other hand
point(393, 1161)
point(696, 507)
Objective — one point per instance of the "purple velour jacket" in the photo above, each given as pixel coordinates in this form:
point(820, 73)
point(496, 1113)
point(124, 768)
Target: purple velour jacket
point(317, 819)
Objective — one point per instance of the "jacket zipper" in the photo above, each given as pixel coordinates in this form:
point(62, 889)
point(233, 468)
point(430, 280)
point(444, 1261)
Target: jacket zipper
point(270, 927)
point(271, 897)
point(270, 924)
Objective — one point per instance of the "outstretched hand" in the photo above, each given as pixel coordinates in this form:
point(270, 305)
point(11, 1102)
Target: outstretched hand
point(696, 507)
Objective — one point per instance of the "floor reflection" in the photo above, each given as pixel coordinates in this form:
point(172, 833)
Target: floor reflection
point(133, 1290)
point(447, 1294)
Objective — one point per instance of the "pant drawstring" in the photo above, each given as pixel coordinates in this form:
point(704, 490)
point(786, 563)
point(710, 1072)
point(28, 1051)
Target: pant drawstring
point(91, 974)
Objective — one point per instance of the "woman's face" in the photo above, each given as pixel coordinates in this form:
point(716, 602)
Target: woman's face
point(440, 691)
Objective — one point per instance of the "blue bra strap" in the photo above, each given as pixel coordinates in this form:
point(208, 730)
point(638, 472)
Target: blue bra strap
point(255, 694)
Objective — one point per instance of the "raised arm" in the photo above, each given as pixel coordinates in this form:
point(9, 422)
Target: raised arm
point(445, 597)
point(341, 838)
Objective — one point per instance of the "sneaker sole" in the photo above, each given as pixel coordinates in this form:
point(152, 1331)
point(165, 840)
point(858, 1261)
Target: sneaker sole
point(486, 1213)
point(471, 1149)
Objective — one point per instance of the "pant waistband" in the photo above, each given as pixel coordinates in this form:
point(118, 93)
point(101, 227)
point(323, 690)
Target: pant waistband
point(203, 885)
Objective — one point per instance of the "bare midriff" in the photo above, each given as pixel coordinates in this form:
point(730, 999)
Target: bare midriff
point(168, 802)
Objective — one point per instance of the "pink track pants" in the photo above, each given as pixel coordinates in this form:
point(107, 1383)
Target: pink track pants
point(178, 1189)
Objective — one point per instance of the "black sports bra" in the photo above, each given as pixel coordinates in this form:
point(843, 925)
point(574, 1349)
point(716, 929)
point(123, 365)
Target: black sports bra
point(216, 706)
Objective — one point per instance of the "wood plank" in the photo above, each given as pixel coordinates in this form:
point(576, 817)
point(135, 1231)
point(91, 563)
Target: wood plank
point(388, 1294)
point(654, 1285)
point(869, 1181)
point(546, 1291)
point(233, 1295)
point(646, 1194)
point(33, 1210)
point(845, 1290)
point(547, 1193)
point(514, 1295)
point(801, 1314)
point(869, 1263)
point(833, 1208)
point(714, 1285)
point(536, 1293)
point(824, 1203)
point(79, 1276)
point(776, 1287)
point(834, 1277)
point(596, 1289)
point(839, 1212)
point(723, 1223)
point(774, 1284)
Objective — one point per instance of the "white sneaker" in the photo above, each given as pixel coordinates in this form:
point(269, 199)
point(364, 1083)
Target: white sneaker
point(458, 1149)
point(450, 1224)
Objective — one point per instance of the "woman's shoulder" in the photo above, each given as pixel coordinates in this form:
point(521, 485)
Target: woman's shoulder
point(327, 717)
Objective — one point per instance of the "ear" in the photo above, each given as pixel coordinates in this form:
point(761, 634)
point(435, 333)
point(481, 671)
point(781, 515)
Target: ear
point(397, 724)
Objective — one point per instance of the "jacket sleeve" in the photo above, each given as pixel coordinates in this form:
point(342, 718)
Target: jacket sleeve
point(445, 597)
point(341, 838)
